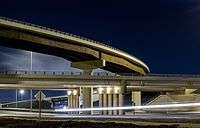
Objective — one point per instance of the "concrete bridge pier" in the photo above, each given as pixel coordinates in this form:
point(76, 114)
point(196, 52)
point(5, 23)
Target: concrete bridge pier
point(115, 103)
point(110, 103)
point(136, 98)
point(111, 97)
point(121, 103)
point(73, 99)
point(70, 103)
point(105, 103)
point(87, 94)
point(101, 102)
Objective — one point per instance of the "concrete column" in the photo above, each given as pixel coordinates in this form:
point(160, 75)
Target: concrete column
point(115, 103)
point(70, 103)
point(73, 101)
point(109, 103)
point(105, 103)
point(86, 95)
point(121, 103)
point(80, 99)
point(77, 101)
point(91, 102)
point(136, 98)
point(101, 102)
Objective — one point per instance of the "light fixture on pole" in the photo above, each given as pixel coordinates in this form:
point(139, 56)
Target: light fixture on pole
point(21, 92)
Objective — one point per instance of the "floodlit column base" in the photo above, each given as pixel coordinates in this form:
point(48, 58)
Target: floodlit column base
point(80, 101)
point(115, 103)
point(100, 102)
point(105, 103)
point(91, 99)
point(75, 102)
point(70, 103)
point(109, 103)
point(86, 94)
point(121, 103)
point(136, 98)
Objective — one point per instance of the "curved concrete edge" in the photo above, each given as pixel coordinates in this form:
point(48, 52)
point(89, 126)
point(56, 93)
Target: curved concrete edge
point(67, 36)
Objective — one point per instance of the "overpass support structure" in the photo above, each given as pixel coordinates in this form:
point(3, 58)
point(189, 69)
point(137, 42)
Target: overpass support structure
point(84, 54)
point(73, 99)
point(112, 97)
point(136, 98)
point(86, 93)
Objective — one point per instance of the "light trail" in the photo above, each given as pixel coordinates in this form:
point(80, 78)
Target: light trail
point(130, 107)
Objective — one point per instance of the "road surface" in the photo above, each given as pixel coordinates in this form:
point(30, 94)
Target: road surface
point(171, 118)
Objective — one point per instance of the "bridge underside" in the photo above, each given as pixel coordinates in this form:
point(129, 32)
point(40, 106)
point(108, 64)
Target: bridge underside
point(67, 49)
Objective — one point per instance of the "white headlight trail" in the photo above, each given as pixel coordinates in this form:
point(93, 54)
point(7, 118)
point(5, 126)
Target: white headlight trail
point(131, 107)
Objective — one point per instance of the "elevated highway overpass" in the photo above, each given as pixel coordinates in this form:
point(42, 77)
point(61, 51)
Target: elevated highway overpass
point(85, 54)
point(63, 80)
point(77, 49)
point(126, 84)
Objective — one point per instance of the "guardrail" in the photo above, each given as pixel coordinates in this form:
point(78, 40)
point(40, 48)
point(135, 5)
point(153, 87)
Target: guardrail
point(53, 73)
point(67, 73)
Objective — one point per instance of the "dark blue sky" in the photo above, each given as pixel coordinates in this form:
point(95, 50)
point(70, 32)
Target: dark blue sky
point(162, 33)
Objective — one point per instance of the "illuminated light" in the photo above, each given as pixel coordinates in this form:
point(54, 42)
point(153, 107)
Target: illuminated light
point(75, 92)
point(132, 107)
point(21, 91)
point(69, 92)
point(64, 108)
point(116, 90)
point(100, 90)
point(95, 92)
point(108, 90)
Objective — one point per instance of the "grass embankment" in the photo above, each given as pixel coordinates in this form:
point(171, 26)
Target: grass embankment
point(11, 123)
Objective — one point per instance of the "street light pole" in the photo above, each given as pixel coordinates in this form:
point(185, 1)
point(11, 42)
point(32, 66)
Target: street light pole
point(16, 95)
point(31, 91)
point(31, 68)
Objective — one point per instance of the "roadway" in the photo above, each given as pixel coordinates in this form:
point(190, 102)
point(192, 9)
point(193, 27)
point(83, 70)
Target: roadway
point(64, 80)
point(147, 117)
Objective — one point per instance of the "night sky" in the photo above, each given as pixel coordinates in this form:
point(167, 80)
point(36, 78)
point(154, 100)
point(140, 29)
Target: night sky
point(162, 33)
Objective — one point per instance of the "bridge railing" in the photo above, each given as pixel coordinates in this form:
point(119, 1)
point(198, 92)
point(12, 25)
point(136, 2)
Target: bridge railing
point(52, 73)
point(68, 73)
point(174, 75)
